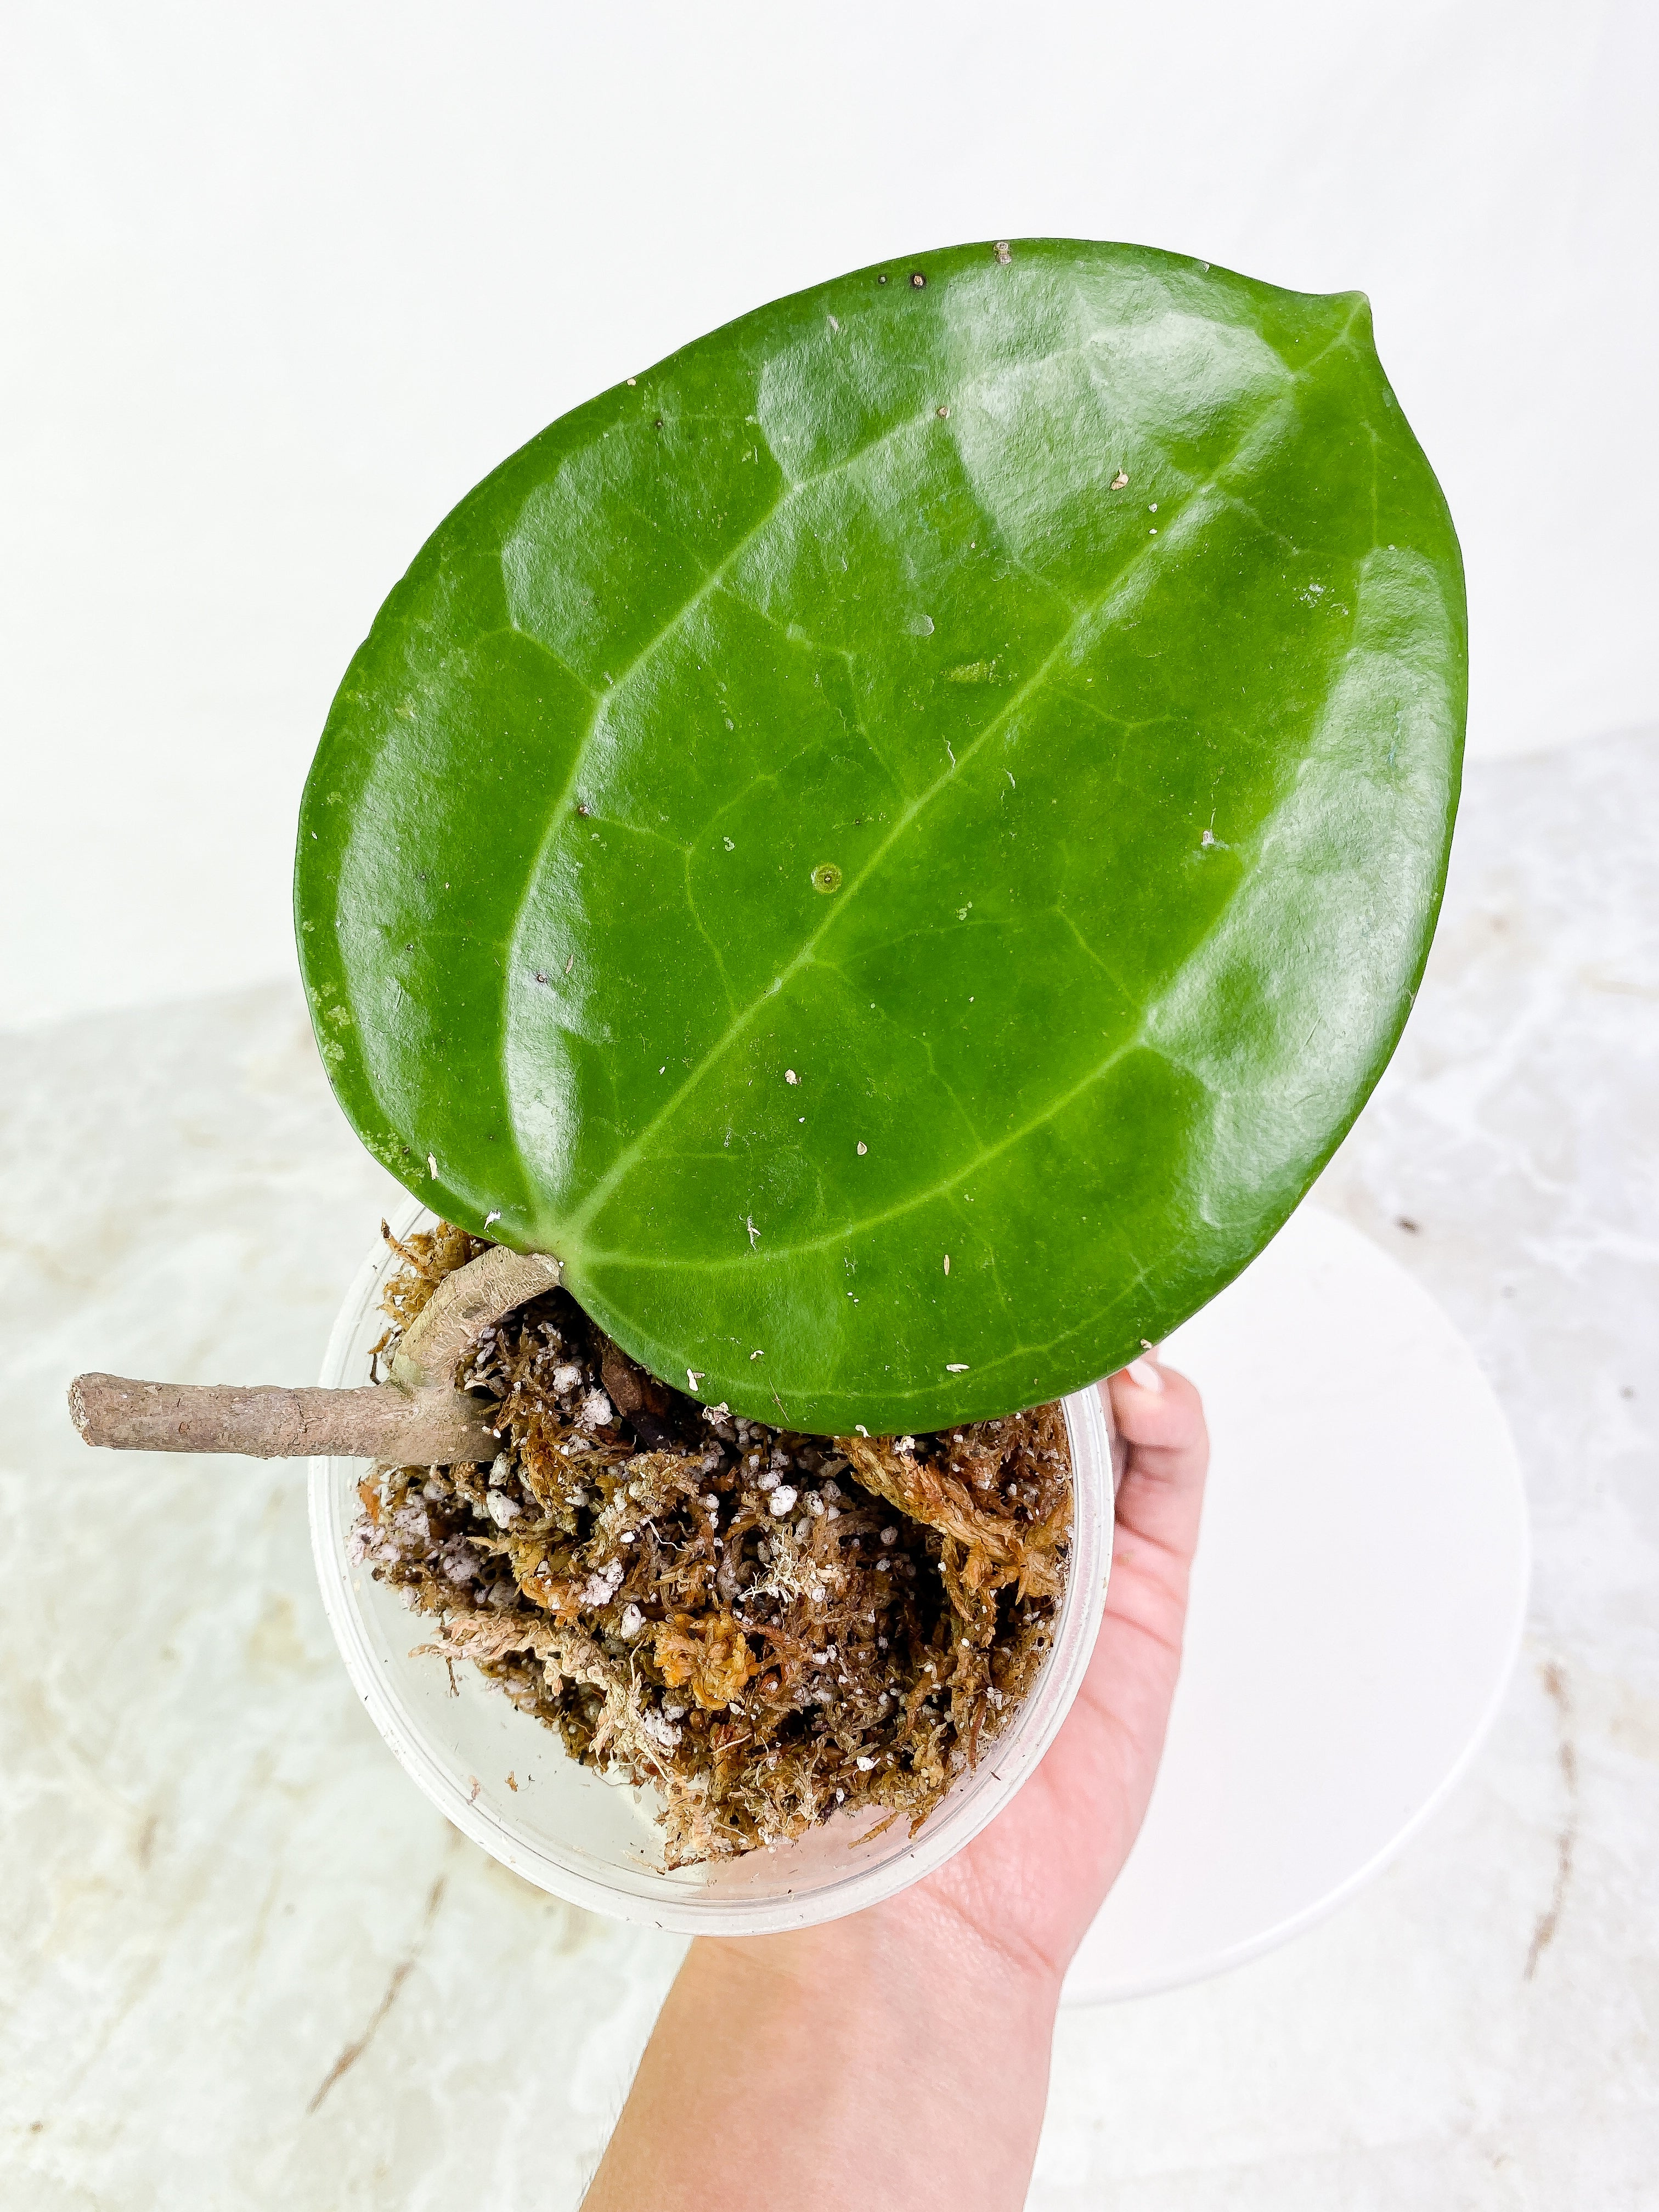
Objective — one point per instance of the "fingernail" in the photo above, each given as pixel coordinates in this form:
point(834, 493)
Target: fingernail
point(1143, 1372)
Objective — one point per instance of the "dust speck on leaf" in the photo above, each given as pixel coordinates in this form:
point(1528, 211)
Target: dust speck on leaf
point(1118, 481)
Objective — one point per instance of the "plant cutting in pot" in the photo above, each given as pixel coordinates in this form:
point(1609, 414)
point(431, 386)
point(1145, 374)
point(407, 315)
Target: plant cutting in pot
point(862, 874)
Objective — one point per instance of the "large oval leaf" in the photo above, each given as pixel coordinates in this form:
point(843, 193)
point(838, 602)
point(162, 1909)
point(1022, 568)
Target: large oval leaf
point(896, 842)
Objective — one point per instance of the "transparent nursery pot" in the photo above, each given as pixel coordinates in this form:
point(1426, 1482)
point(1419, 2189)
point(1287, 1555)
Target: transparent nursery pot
point(506, 1781)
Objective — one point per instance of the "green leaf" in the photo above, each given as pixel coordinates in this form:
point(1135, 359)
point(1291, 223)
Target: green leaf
point(957, 763)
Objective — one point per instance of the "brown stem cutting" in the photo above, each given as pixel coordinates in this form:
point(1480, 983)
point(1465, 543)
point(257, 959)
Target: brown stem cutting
point(416, 1416)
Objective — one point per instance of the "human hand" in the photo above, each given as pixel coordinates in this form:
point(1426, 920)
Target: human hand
point(900, 2056)
point(1034, 1879)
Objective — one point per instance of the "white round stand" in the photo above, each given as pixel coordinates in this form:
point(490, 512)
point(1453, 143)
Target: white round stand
point(1356, 1610)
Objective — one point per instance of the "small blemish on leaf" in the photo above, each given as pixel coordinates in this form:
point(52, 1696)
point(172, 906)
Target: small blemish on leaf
point(432, 1167)
point(1118, 481)
point(863, 1149)
point(826, 877)
point(1003, 252)
point(918, 281)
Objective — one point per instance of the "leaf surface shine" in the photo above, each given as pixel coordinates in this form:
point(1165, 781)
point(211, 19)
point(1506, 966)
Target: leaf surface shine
point(802, 817)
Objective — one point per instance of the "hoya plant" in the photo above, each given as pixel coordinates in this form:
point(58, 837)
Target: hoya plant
point(888, 849)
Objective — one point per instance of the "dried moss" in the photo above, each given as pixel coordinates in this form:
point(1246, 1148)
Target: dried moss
point(763, 1626)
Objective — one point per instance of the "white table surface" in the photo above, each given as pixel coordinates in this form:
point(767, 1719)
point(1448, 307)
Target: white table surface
point(1357, 1608)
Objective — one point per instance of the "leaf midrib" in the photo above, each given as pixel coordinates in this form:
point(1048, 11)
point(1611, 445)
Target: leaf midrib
point(1192, 517)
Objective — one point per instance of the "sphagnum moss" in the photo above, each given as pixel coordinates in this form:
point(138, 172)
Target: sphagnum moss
point(764, 1627)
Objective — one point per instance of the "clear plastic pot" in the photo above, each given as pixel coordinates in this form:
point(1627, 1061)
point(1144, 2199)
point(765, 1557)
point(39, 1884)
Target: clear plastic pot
point(508, 1783)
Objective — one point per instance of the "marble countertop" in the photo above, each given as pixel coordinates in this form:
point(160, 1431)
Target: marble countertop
point(245, 1964)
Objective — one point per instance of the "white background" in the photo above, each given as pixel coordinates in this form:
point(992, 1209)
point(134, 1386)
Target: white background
point(280, 282)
